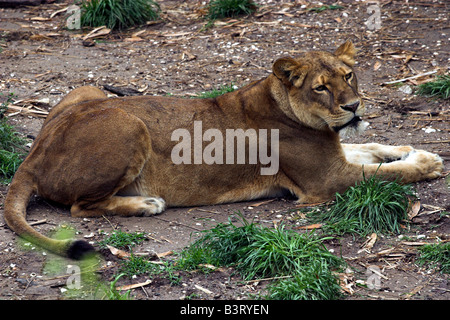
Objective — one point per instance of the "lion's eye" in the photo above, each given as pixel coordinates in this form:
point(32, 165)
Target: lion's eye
point(349, 76)
point(320, 88)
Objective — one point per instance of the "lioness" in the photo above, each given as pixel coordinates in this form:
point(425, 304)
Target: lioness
point(115, 156)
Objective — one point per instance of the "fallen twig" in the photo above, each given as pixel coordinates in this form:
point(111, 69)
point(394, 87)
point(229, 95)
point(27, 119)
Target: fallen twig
point(133, 286)
point(269, 279)
point(435, 141)
point(409, 78)
point(35, 223)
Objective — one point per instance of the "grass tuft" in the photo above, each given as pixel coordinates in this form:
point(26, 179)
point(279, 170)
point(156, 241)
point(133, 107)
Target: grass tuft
point(259, 252)
point(326, 7)
point(371, 206)
point(122, 240)
point(218, 9)
point(118, 14)
point(440, 87)
point(436, 256)
point(12, 150)
point(137, 265)
point(313, 282)
point(217, 92)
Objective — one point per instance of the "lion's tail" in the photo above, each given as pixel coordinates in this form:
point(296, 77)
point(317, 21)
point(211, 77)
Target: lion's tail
point(21, 189)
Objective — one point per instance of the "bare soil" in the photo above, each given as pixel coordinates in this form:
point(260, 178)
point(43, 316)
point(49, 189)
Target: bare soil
point(41, 61)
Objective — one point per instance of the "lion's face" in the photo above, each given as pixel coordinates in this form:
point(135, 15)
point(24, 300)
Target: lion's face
point(322, 89)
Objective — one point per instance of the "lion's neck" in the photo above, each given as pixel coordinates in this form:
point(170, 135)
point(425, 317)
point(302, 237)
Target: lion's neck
point(280, 96)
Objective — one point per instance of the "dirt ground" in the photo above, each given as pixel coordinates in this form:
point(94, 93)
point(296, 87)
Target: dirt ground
point(41, 61)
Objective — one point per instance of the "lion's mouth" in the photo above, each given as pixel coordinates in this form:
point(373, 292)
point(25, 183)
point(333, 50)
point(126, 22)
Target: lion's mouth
point(354, 122)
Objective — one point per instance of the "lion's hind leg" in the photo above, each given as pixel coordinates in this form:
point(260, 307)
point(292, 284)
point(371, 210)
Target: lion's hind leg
point(118, 205)
point(371, 153)
point(97, 155)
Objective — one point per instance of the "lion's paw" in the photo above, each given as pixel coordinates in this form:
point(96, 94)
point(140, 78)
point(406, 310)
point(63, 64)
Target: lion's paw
point(429, 165)
point(152, 206)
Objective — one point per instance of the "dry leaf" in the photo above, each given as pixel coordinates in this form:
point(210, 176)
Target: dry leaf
point(118, 253)
point(414, 210)
point(368, 245)
point(310, 227)
point(137, 34)
point(346, 282)
point(187, 56)
point(97, 32)
point(163, 254)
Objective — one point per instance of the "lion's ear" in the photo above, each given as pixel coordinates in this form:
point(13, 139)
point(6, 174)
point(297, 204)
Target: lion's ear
point(289, 71)
point(346, 52)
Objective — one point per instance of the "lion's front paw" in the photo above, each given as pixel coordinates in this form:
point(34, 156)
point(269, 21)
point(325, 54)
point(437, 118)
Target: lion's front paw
point(429, 165)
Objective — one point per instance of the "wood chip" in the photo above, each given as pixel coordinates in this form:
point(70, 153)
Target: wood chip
point(414, 243)
point(203, 289)
point(134, 286)
point(309, 227)
point(164, 254)
point(368, 245)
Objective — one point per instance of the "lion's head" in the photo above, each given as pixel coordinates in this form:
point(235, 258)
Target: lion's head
point(321, 90)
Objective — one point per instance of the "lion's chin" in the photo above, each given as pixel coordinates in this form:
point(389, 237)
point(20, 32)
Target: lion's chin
point(354, 128)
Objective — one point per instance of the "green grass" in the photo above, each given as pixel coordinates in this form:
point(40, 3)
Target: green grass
point(217, 92)
point(110, 292)
point(326, 7)
point(135, 265)
point(302, 260)
point(141, 265)
point(218, 9)
point(259, 252)
point(12, 151)
point(313, 282)
point(138, 265)
point(9, 162)
point(436, 256)
point(123, 240)
point(440, 87)
point(118, 14)
point(373, 205)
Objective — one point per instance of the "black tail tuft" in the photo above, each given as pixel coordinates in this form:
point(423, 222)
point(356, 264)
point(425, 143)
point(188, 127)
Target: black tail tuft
point(79, 249)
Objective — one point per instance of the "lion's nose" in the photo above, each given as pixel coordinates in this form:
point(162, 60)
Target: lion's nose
point(351, 107)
